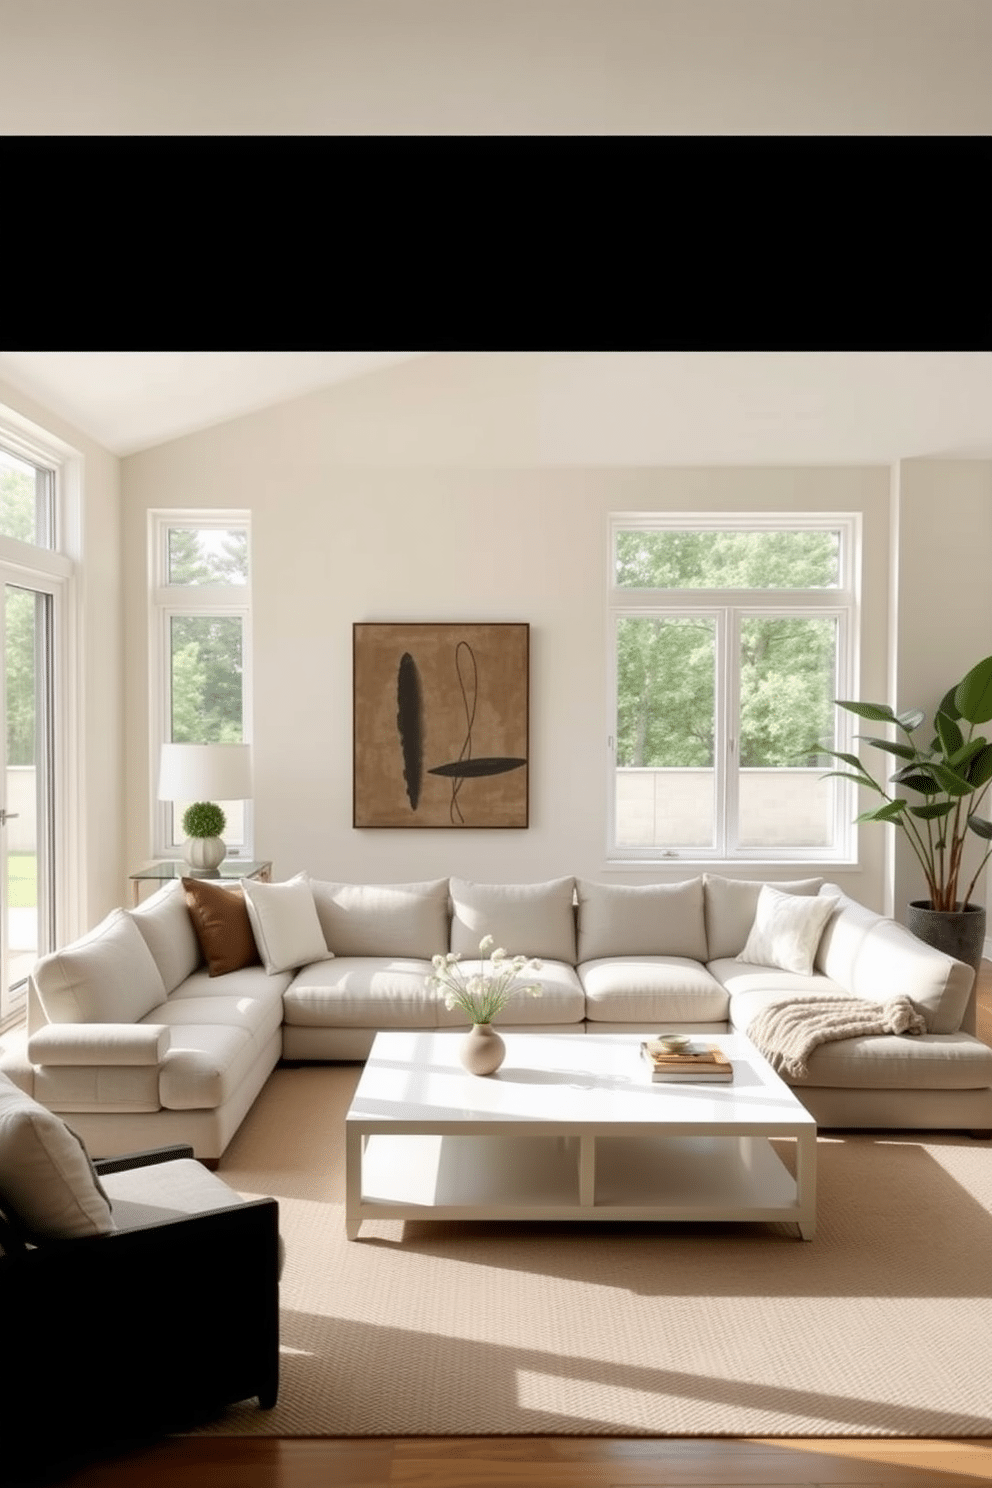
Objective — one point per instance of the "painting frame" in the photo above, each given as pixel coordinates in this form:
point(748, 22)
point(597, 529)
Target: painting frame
point(441, 724)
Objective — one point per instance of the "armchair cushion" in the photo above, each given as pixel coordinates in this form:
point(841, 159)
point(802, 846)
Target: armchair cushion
point(285, 924)
point(48, 1185)
point(220, 919)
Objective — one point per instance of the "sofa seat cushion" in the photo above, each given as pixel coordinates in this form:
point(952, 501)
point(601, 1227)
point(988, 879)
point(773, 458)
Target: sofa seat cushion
point(950, 1061)
point(562, 999)
point(768, 983)
point(651, 991)
point(362, 992)
point(255, 1015)
point(641, 920)
point(205, 1065)
point(390, 919)
point(249, 983)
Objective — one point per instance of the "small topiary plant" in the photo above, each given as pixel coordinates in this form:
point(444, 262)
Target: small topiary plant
point(203, 819)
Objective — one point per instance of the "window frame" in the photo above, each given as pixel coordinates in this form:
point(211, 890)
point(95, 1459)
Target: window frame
point(168, 602)
point(729, 608)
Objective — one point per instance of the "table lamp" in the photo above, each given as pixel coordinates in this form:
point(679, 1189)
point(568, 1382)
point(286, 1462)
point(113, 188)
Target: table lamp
point(203, 774)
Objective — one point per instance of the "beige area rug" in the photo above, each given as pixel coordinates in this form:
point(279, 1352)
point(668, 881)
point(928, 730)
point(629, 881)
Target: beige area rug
point(880, 1326)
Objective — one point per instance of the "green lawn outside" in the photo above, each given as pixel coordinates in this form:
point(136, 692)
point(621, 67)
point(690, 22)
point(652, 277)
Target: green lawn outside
point(22, 880)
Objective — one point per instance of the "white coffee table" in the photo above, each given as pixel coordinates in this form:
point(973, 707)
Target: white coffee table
point(571, 1127)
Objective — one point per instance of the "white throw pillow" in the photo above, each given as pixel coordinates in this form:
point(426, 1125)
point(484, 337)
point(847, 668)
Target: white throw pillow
point(285, 924)
point(47, 1183)
point(786, 930)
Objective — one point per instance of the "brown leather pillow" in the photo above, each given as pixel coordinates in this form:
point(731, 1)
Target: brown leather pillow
point(220, 919)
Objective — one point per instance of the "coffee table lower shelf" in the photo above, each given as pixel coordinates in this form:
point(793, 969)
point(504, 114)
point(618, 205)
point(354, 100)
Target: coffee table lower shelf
point(576, 1177)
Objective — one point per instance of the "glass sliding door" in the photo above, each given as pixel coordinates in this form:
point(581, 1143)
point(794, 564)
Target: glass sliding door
point(27, 910)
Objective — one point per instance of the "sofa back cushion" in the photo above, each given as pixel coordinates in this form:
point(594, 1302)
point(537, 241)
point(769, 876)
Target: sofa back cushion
point(641, 920)
point(391, 919)
point(165, 923)
point(107, 976)
point(730, 907)
point(535, 919)
point(876, 958)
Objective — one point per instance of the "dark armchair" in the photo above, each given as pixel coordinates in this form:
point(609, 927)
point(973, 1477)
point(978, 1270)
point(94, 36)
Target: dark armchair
point(152, 1326)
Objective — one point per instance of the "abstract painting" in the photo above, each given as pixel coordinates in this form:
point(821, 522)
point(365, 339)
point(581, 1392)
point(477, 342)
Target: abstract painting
point(441, 725)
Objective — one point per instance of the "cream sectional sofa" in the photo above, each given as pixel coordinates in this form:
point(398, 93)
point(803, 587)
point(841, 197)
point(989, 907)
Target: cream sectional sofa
point(132, 1040)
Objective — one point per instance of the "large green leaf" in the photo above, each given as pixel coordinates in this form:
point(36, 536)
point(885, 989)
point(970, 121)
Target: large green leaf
point(864, 780)
point(876, 712)
point(904, 751)
point(950, 781)
point(980, 769)
point(948, 705)
point(980, 827)
point(891, 812)
point(974, 693)
point(961, 758)
point(950, 736)
point(931, 810)
point(917, 780)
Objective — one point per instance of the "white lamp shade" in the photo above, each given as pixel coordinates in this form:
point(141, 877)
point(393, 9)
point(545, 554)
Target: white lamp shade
point(205, 772)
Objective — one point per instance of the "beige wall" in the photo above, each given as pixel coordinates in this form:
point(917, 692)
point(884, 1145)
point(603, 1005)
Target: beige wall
point(420, 494)
point(943, 540)
point(94, 787)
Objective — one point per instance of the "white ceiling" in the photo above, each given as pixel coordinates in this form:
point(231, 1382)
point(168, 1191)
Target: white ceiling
point(614, 407)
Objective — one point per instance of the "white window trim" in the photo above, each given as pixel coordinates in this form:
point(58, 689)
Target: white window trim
point(729, 607)
point(167, 601)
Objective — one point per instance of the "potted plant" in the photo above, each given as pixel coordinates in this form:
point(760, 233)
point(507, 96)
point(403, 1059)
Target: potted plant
point(203, 823)
point(933, 797)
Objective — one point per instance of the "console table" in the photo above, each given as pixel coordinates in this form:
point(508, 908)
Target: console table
point(159, 873)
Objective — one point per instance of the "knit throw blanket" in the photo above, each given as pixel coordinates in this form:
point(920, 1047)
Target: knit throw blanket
point(787, 1032)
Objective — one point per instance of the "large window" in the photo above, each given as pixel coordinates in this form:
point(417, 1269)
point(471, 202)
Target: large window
point(731, 637)
point(202, 596)
point(35, 837)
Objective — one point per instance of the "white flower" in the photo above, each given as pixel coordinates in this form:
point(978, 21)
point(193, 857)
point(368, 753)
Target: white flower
point(482, 994)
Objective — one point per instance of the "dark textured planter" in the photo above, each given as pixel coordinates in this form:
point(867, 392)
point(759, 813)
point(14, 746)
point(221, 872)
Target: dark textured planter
point(958, 932)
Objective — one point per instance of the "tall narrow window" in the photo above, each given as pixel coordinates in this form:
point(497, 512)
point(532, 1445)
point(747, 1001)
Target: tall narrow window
point(199, 665)
point(34, 744)
point(731, 638)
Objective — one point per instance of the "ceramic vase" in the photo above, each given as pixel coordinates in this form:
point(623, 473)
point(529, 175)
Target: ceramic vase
point(205, 853)
point(483, 1051)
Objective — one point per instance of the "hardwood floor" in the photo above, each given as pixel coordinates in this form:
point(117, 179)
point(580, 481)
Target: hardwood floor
point(543, 1462)
point(538, 1462)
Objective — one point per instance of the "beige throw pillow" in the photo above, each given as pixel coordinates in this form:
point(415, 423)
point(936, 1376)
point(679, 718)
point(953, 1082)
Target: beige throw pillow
point(284, 919)
point(786, 931)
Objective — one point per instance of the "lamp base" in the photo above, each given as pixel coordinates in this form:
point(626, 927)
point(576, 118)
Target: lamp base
point(204, 854)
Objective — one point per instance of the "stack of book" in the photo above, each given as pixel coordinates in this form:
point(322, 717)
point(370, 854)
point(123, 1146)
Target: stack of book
point(697, 1061)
